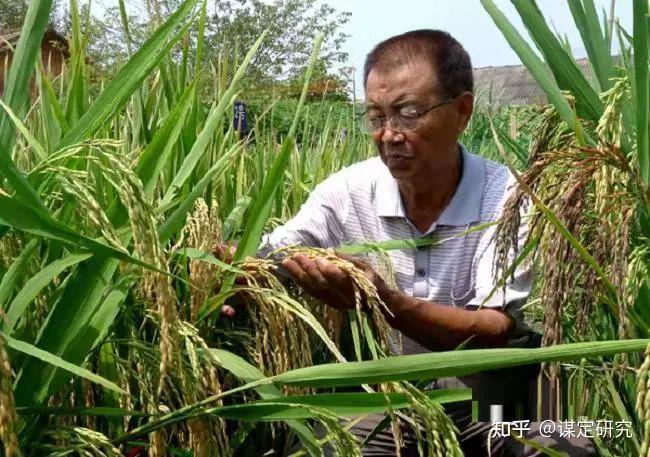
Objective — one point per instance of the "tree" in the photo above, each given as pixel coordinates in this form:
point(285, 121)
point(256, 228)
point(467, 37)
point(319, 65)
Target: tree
point(12, 14)
point(292, 28)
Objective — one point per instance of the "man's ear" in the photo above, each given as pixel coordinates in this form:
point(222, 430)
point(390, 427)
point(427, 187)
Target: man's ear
point(465, 106)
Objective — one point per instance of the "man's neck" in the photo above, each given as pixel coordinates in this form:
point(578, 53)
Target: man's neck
point(425, 197)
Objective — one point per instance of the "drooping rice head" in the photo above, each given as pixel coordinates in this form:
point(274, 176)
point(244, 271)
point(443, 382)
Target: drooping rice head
point(367, 301)
point(282, 340)
point(340, 439)
point(59, 441)
point(8, 419)
point(435, 433)
point(643, 402)
point(594, 192)
point(202, 231)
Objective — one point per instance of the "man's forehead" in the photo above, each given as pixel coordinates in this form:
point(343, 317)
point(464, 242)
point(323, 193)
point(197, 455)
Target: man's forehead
point(390, 83)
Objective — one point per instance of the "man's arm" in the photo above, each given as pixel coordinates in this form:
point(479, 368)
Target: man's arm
point(440, 327)
point(434, 326)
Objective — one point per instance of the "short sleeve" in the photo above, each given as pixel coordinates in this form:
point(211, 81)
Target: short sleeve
point(512, 296)
point(318, 223)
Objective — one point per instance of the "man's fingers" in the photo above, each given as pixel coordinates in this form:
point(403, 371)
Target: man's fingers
point(226, 252)
point(313, 277)
point(332, 273)
point(294, 269)
point(227, 311)
point(354, 260)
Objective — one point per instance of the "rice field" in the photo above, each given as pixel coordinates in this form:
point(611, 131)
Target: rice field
point(114, 195)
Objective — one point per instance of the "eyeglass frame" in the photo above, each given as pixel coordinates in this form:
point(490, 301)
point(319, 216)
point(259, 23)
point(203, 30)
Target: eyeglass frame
point(415, 118)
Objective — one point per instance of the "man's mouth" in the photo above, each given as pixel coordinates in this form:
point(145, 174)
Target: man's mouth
point(398, 155)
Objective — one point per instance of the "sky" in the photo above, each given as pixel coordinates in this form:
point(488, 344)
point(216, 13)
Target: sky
point(375, 20)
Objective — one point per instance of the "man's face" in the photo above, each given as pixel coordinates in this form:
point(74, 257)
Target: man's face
point(431, 147)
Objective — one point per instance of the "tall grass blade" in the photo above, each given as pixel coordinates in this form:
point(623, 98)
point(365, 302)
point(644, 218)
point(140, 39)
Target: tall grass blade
point(215, 120)
point(250, 240)
point(17, 96)
point(535, 65)
point(449, 363)
point(341, 404)
point(249, 373)
point(58, 362)
point(641, 75)
point(566, 71)
point(118, 91)
point(35, 285)
point(65, 326)
point(22, 217)
point(177, 219)
point(15, 272)
point(158, 151)
point(596, 43)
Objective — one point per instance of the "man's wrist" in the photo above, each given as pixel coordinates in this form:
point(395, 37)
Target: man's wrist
point(393, 298)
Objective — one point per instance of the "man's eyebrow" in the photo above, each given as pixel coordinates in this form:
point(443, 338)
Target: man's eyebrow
point(402, 100)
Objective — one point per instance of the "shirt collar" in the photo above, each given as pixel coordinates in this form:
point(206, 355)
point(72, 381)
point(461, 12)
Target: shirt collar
point(464, 207)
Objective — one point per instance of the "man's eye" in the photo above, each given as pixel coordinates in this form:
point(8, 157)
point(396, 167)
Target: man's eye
point(408, 112)
point(375, 118)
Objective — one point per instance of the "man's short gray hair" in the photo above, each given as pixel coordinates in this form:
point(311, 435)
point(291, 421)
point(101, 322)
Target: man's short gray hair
point(448, 57)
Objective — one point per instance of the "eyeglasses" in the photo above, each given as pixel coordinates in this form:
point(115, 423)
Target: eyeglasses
point(405, 120)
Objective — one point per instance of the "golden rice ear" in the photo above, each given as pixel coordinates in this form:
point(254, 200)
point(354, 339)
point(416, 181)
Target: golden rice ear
point(367, 299)
point(8, 422)
point(643, 401)
point(343, 442)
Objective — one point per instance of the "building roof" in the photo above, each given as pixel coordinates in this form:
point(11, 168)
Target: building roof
point(9, 38)
point(511, 85)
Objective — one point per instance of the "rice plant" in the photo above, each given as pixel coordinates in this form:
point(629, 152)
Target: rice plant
point(587, 176)
point(112, 201)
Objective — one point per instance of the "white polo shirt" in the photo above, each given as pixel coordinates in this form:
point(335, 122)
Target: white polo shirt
point(362, 203)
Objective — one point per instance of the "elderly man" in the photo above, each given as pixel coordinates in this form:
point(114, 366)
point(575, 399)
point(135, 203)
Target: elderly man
point(423, 184)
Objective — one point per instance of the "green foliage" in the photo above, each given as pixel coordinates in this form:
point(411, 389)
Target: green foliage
point(110, 206)
point(588, 179)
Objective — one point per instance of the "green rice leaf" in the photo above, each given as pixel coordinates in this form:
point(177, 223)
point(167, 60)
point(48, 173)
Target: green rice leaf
point(449, 363)
point(118, 91)
point(249, 373)
point(535, 65)
point(102, 411)
point(341, 404)
point(177, 219)
point(263, 204)
point(22, 217)
point(58, 362)
point(35, 285)
point(15, 272)
point(197, 254)
point(24, 131)
point(411, 243)
point(233, 221)
point(64, 329)
point(214, 121)
point(641, 75)
point(16, 96)
point(566, 71)
point(158, 151)
point(597, 46)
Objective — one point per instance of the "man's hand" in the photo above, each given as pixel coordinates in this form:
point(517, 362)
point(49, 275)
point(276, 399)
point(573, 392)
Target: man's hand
point(325, 281)
point(226, 253)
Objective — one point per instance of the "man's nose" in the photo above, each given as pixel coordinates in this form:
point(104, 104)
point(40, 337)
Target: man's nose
point(388, 135)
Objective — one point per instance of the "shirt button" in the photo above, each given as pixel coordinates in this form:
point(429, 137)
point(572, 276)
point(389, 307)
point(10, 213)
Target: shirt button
point(421, 272)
